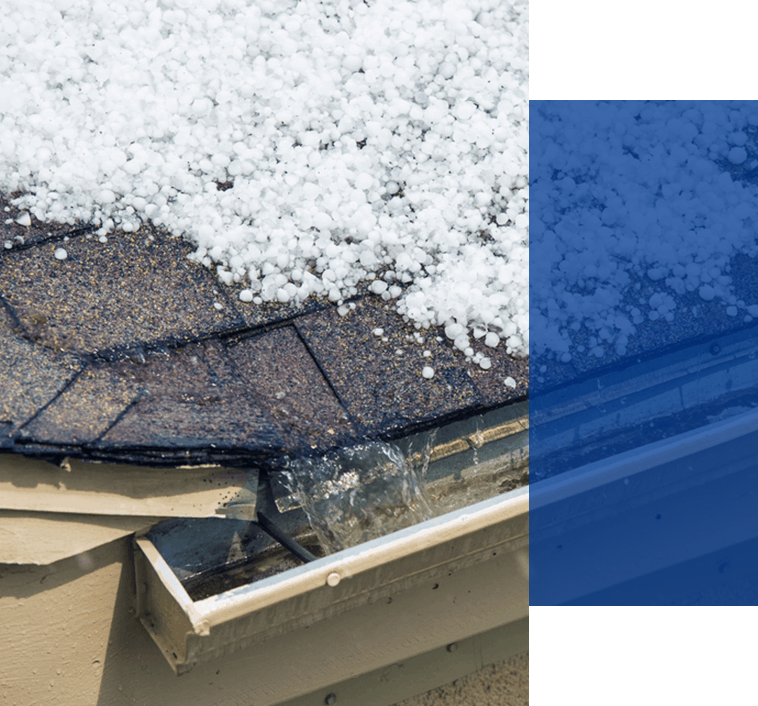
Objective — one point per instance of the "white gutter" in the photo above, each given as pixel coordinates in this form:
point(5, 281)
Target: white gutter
point(189, 631)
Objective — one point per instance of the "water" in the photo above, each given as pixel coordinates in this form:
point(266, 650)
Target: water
point(361, 492)
point(476, 440)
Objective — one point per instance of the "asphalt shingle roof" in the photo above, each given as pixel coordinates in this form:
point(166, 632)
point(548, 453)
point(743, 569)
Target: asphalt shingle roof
point(128, 351)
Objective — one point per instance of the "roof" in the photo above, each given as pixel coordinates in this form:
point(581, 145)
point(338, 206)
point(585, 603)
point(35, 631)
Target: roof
point(128, 351)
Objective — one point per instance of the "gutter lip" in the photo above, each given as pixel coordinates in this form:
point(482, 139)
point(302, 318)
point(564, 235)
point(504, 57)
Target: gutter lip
point(681, 478)
point(631, 463)
point(343, 565)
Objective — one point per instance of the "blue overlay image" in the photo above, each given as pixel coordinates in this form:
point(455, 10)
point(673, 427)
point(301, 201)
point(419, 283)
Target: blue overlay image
point(643, 352)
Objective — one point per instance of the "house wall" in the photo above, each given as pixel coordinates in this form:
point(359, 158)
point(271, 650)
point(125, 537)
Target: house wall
point(70, 636)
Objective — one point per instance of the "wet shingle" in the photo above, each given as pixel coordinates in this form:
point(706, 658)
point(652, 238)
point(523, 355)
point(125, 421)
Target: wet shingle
point(126, 292)
point(379, 381)
point(15, 235)
point(191, 400)
point(491, 383)
point(267, 313)
point(31, 377)
point(293, 390)
point(84, 410)
point(127, 350)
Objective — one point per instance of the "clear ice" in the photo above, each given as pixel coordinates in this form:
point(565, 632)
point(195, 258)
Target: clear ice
point(360, 492)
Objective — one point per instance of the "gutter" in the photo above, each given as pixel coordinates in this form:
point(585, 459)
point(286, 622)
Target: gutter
point(646, 480)
point(484, 540)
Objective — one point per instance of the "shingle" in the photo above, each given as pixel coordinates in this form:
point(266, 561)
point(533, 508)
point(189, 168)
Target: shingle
point(84, 410)
point(126, 292)
point(267, 313)
point(14, 235)
point(31, 376)
point(191, 400)
point(491, 383)
point(381, 388)
point(176, 379)
point(284, 376)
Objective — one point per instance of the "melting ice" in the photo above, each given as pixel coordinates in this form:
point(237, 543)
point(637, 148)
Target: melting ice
point(360, 492)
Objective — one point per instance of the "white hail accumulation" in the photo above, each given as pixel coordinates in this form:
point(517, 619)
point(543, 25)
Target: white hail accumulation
point(638, 187)
point(302, 146)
